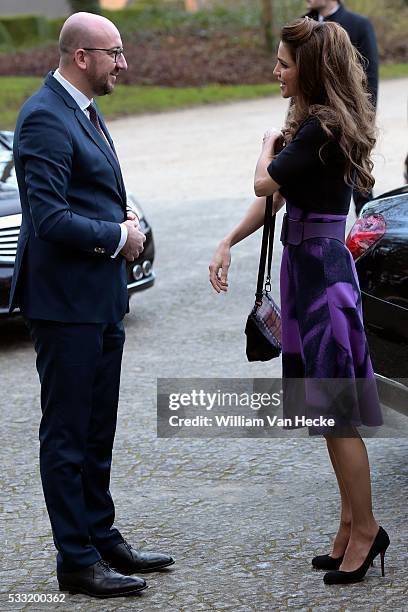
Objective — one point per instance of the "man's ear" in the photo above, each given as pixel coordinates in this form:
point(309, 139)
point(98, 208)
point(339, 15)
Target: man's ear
point(80, 59)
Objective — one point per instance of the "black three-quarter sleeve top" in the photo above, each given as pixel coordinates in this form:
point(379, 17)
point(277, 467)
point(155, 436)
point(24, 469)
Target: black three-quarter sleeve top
point(311, 182)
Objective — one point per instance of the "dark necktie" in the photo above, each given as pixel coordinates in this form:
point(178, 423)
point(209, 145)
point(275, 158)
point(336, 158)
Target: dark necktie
point(93, 117)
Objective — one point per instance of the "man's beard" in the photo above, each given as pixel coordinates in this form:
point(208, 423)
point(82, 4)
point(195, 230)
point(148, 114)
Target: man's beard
point(101, 86)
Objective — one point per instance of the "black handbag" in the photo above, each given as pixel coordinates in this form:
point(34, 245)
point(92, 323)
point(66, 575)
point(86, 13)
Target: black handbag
point(263, 327)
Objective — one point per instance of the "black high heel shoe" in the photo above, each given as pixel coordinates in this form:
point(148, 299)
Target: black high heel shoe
point(327, 562)
point(378, 547)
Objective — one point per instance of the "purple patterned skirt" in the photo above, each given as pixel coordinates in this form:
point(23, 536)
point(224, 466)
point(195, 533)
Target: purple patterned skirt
point(327, 369)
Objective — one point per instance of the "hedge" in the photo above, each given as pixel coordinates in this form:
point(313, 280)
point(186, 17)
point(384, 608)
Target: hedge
point(5, 39)
point(154, 20)
point(25, 28)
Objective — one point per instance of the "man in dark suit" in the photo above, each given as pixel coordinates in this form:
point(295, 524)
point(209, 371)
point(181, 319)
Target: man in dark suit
point(363, 37)
point(70, 285)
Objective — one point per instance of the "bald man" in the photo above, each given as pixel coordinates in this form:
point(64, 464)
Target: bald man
point(70, 285)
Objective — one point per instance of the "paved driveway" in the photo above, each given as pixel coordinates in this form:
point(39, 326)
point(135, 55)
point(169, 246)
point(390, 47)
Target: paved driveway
point(242, 517)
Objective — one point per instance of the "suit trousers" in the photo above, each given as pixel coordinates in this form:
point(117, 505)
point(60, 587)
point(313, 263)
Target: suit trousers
point(79, 367)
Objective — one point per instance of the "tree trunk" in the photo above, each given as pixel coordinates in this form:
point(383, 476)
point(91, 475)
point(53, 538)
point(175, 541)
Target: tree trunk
point(267, 25)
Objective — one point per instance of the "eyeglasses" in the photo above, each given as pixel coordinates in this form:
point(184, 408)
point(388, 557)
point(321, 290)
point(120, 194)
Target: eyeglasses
point(114, 53)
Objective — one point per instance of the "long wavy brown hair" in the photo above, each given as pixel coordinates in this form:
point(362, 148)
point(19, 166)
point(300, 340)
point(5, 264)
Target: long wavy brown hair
point(332, 86)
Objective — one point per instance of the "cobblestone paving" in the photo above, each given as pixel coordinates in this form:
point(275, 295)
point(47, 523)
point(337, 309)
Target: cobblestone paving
point(242, 517)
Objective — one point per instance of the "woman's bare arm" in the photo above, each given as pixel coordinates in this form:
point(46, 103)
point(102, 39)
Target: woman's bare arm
point(221, 261)
point(251, 222)
point(254, 218)
point(264, 184)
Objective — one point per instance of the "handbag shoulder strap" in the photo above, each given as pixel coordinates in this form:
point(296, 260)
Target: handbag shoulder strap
point(266, 251)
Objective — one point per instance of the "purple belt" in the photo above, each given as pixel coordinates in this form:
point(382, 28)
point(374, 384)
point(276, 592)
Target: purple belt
point(295, 231)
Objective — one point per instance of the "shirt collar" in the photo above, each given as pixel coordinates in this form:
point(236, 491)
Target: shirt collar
point(330, 14)
point(81, 99)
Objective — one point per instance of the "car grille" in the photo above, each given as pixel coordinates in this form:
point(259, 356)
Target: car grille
point(9, 232)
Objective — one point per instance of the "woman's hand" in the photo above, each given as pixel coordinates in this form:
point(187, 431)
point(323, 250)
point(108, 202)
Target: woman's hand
point(219, 267)
point(269, 139)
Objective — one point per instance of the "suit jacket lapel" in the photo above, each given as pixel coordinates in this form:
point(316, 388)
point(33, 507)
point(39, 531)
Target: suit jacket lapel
point(104, 147)
point(91, 131)
point(112, 146)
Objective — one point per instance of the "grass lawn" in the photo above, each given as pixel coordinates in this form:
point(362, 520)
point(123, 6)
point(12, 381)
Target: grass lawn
point(131, 100)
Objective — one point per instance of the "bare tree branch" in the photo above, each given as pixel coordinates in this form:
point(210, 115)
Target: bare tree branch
point(267, 24)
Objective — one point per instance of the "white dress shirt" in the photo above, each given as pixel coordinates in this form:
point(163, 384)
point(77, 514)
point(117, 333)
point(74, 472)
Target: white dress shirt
point(83, 102)
point(321, 18)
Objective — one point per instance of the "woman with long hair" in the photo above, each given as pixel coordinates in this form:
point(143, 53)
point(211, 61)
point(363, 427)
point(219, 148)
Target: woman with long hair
point(328, 138)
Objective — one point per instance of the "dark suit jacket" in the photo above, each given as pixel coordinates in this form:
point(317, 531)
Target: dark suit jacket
point(363, 37)
point(72, 198)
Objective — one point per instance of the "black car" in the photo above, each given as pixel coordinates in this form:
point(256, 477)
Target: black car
point(140, 272)
point(378, 242)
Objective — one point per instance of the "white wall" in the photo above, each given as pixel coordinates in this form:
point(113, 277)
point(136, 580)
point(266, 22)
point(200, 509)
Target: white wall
point(48, 8)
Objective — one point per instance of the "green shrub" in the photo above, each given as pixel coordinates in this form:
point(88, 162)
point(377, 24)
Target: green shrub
point(26, 28)
point(6, 41)
point(90, 6)
point(166, 4)
point(54, 27)
point(143, 17)
point(148, 20)
point(151, 16)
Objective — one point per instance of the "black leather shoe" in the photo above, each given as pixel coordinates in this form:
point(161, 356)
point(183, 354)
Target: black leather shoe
point(126, 560)
point(99, 580)
point(327, 562)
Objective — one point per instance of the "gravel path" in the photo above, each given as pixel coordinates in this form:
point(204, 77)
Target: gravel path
point(242, 517)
